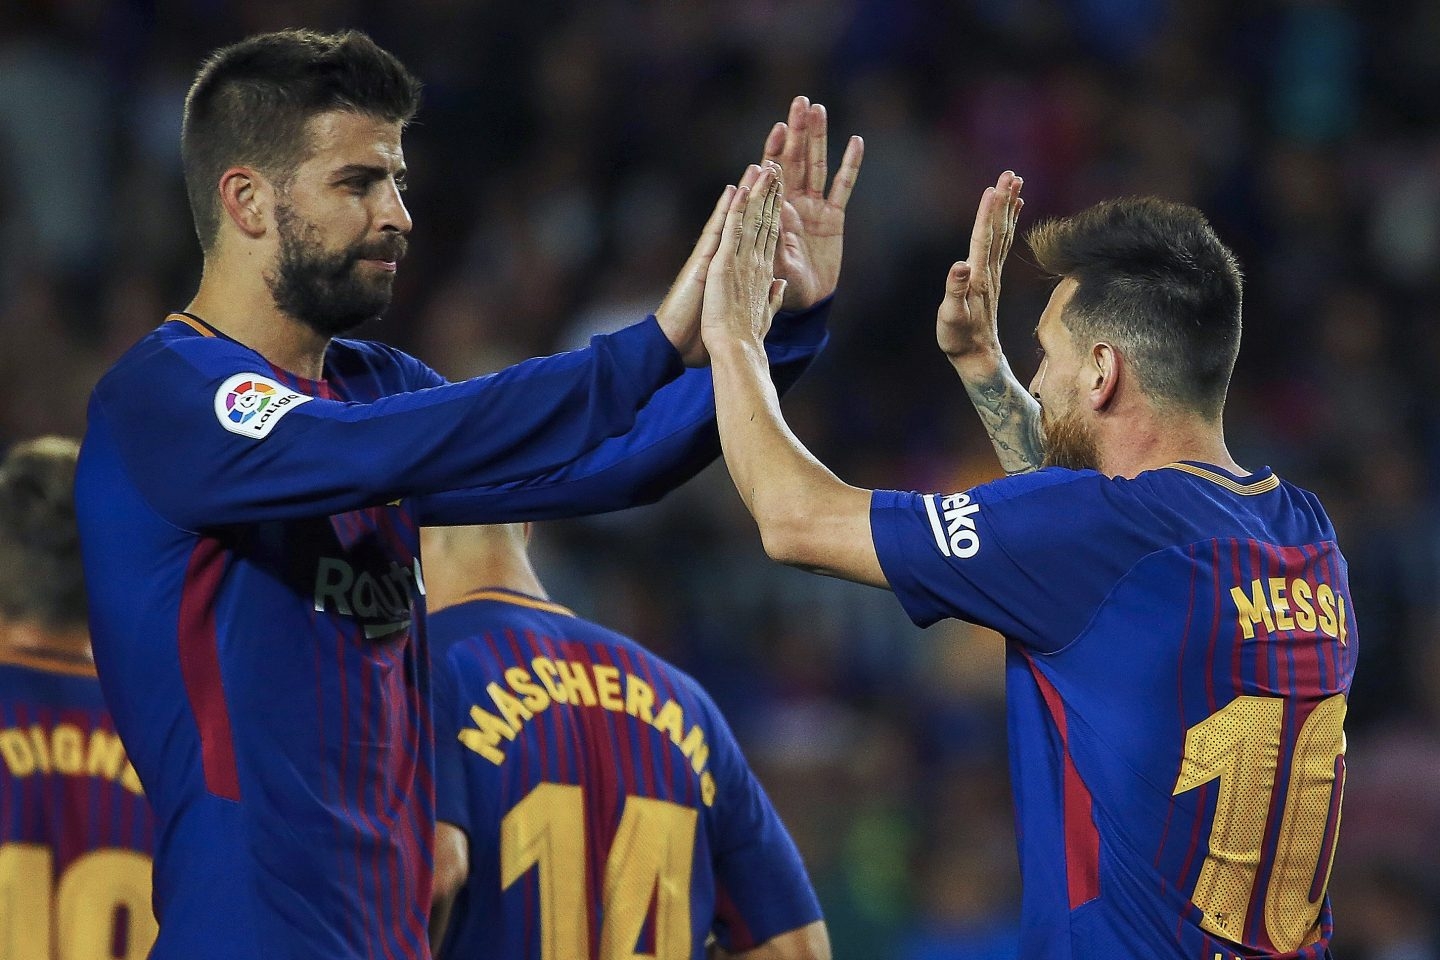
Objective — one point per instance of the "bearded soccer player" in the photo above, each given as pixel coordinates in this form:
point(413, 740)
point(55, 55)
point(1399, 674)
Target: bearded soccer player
point(250, 492)
point(589, 794)
point(1180, 637)
point(75, 831)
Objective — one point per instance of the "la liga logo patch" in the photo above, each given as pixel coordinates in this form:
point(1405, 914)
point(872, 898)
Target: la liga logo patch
point(247, 400)
point(250, 405)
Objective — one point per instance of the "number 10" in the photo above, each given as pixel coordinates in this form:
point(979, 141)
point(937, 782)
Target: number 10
point(1240, 745)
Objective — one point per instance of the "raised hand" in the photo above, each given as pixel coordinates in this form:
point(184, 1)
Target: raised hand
point(812, 223)
point(966, 324)
point(679, 313)
point(967, 331)
point(741, 291)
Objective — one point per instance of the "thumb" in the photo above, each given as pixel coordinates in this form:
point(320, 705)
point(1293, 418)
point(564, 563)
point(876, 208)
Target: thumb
point(777, 295)
point(957, 284)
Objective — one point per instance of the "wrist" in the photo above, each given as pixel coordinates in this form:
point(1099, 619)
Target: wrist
point(979, 361)
point(737, 349)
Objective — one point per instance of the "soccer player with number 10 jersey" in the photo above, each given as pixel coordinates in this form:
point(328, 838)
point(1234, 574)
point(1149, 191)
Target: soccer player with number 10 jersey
point(1180, 636)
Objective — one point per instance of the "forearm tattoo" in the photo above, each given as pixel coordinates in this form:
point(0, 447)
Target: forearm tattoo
point(1011, 418)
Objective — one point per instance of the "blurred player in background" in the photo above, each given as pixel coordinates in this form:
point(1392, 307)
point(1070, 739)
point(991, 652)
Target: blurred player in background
point(251, 489)
point(75, 831)
point(1181, 639)
point(589, 794)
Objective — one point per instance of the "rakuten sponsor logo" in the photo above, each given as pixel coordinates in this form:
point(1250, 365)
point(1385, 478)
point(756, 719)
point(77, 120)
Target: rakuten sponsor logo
point(382, 600)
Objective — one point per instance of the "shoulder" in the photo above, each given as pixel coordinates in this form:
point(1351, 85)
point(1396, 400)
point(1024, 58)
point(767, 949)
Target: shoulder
point(352, 358)
point(173, 347)
point(1056, 482)
point(171, 357)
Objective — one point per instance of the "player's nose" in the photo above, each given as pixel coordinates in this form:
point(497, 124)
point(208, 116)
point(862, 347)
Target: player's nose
point(391, 214)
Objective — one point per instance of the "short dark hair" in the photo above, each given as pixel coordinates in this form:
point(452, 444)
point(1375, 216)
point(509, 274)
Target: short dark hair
point(41, 578)
point(1155, 280)
point(251, 100)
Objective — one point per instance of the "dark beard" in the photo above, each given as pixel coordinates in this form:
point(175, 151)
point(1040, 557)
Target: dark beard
point(1069, 443)
point(323, 290)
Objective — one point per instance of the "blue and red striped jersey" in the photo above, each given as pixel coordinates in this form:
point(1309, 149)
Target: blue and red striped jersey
point(75, 831)
point(608, 807)
point(1180, 651)
point(256, 599)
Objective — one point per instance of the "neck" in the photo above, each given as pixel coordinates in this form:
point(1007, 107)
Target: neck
point(1130, 446)
point(451, 577)
point(27, 636)
point(239, 304)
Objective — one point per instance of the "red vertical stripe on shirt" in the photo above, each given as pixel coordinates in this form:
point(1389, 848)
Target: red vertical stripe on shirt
point(1082, 839)
point(200, 667)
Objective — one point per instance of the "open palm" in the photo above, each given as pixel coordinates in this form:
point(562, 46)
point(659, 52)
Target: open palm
point(812, 224)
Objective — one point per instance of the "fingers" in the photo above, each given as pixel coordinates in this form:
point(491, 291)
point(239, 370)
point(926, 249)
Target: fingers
point(769, 237)
point(794, 157)
point(734, 225)
point(775, 143)
point(816, 132)
point(750, 176)
point(1006, 212)
point(709, 240)
point(848, 173)
point(762, 212)
point(980, 238)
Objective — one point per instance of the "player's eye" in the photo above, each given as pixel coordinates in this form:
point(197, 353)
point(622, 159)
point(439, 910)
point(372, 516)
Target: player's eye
point(402, 184)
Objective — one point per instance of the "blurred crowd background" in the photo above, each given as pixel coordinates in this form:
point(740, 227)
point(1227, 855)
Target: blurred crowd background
point(567, 153)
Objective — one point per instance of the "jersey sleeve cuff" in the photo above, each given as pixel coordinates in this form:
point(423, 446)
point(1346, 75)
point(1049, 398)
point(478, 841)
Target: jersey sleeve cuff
point(799, 332)
point(644, 352)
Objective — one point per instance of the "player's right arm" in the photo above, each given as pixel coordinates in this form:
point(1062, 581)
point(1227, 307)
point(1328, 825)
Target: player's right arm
point(452, 869)
point(968, 335)
point(186, 424)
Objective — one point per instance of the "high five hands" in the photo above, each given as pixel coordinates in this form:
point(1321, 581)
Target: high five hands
point(741, 291)
point(812, 225)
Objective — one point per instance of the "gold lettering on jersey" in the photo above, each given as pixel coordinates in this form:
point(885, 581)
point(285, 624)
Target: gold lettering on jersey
point(573, 683)
point(64, 749)
point(1280, 605)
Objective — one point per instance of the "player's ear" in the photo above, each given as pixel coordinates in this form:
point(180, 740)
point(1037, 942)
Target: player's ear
point(1106, 364)
point(244, 195)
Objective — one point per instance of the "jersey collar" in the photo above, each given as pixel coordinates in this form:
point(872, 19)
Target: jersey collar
point(1261, 481)
point(503, 595)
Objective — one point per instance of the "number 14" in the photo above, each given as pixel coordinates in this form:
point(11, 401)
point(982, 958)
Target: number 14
point(651, 855)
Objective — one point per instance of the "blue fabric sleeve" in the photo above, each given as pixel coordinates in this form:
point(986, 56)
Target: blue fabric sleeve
point(1030, 556)
point(674, 438)
point(321, 456)
point(761, 886)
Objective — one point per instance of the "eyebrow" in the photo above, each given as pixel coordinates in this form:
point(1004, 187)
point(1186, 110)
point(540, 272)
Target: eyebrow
point(368, 170)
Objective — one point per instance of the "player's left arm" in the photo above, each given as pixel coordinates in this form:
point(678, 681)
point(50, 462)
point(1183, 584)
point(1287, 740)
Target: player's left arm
point(807, 516)
point(452, 869)
point(674, 438)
